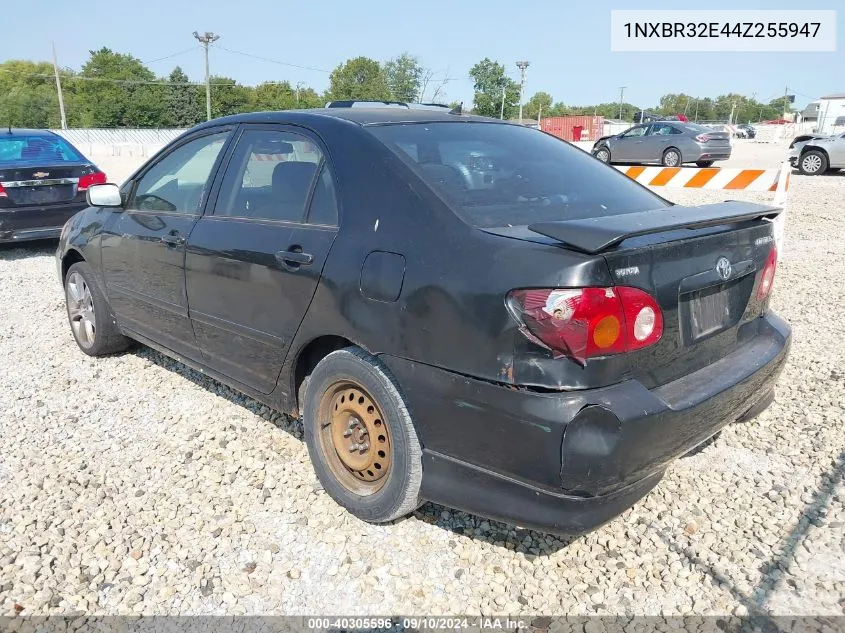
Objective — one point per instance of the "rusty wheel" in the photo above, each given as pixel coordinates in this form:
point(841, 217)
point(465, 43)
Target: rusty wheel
point(354, 438)
point(361, 437)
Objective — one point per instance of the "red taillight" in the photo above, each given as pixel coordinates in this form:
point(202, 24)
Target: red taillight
point(3, 193)
point(702, 138)
point(97, 178)
point(767, 279)
point(585, 322)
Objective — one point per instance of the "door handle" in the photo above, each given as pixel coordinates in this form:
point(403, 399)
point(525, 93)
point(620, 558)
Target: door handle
point(173, 240)
point(294, 257)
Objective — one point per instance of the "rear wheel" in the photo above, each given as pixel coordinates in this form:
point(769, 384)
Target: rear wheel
point(671, 158)
point(813, 163)
point(603, 154)
point(704, 163)
point(361, 438)
point(89, 314)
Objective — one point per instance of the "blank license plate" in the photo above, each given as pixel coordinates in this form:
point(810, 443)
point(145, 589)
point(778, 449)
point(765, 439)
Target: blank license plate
point(709, 312)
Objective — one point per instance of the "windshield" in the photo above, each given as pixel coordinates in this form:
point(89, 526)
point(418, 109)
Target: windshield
point(37, 148)
point(496, 175)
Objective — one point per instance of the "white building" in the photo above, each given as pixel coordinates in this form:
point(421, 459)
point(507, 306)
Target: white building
point(831, 117)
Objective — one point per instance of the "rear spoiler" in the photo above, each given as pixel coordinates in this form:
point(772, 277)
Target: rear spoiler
point(593, 235)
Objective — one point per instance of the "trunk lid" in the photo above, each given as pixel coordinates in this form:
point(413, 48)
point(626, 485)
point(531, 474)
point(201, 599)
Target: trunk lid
point(704, 281)
point(27, 184)
point(701, 264)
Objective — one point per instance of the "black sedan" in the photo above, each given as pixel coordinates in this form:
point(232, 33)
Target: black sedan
point(43, 179)
point(462, 310)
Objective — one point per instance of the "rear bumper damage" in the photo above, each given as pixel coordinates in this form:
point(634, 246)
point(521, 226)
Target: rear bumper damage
point(567, 462)
point(35, 223)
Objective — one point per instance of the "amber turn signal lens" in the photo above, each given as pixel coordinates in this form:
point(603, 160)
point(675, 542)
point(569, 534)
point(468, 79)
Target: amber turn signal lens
point(606, 332)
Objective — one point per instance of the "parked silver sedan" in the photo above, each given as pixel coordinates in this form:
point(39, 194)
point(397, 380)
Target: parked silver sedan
point(670, 143)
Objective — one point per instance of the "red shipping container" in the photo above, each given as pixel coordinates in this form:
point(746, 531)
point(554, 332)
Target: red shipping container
point(591, 127)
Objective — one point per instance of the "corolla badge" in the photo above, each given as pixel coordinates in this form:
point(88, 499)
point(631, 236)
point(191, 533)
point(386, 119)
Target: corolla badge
point(723, 267)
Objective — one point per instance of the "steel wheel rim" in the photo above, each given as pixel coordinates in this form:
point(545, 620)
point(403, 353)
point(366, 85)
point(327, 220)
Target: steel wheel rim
point(602, 155)
point(80, 307)
point(811, 163)
point(671, 159)
point(353, 438)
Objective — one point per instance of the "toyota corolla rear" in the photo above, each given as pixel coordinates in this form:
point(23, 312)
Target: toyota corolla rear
point(43, 180)
point(640, 328)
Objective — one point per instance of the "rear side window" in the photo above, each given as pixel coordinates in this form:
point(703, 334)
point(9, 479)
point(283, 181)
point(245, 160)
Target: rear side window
point(496, 175)
point(37, 148)
point(269, 177)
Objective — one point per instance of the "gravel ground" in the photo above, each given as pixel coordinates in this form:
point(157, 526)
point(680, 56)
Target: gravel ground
point(132, 484)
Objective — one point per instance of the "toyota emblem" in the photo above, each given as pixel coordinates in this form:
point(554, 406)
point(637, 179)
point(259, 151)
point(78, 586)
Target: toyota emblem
point(723, 267)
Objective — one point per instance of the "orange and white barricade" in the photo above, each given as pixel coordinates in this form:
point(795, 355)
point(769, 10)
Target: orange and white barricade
point(721, 179)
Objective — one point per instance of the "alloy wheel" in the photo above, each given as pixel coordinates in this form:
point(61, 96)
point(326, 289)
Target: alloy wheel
point(603, 155)
point(811, 163)
point(80, 305)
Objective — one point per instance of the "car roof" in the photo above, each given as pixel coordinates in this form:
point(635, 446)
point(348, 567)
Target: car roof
point(360, 116)
point(17, 131)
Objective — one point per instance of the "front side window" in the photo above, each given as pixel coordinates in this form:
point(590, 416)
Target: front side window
point(497, 175)
point(635, 131)
point(269, 177)
point(178, 181)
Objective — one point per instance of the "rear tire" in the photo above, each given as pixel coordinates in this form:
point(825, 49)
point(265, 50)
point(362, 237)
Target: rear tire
point(704, 163)
point(361, 438)
point(92, 322)
point(671, 158)
point(812, 163)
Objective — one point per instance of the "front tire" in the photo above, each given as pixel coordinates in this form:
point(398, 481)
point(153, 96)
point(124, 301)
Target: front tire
point(603, 154)
point(813, 163)
point(671, 158)
point(91, 320)
point(361, 438)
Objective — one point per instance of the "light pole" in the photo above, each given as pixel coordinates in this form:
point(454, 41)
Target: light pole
point(621, 92)
point(522, 65)
point(205, 39)
point(59, 90)
point(502, 111)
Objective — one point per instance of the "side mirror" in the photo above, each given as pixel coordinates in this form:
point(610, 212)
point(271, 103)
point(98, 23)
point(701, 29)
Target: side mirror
point(107, 195)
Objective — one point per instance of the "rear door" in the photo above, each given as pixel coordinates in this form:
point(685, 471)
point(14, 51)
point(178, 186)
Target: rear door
point(143, 246)
point(660, 137)
point(253, 263)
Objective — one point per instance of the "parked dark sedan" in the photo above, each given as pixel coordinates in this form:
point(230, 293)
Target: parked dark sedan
point(43, 180)
point(462, 310)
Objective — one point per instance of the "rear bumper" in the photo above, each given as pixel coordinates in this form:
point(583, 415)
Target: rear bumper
point(35, 223)
point(712, 154)
point(567, 462)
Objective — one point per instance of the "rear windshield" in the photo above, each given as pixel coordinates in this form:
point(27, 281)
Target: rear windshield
point(496, 175)
point(37, 148)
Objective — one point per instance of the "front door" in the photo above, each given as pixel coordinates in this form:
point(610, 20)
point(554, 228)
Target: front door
point(253, 264)
point(628, 147)
point(143, 247)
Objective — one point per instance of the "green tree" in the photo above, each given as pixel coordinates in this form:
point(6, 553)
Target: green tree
point(28, 95)
point(360, 78)
point(403, 75)
point(272, 96)
point(117, 91)
point(181, 104)
point(541, 103)
point(227, 97)
point(491, 86)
